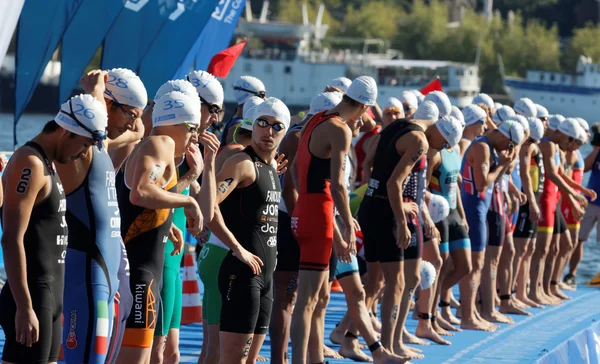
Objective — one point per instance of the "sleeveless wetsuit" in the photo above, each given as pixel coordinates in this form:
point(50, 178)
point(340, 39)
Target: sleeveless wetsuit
point(592, 213)
point(92, 263)
point(169, 312)
point(525, 228)
point(145, 233)
point(477, 203)
point(250, 213)
point(313, 218)
point(343, 269)
point(375, 214)
point(577, 176)
point(288, 250)
point(443, 182)
point(45, 244)
point(549, 199)
point(496, 216)
point(361, 153)
point(516, 179)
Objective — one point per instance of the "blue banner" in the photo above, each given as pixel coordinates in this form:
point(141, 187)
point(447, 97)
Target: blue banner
point(223, 22)
point(134, 31)
point(82, 39)
point(174, 41)
point(40, 29)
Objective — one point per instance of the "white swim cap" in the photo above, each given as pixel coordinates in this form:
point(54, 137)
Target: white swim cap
point(84, 115)
point(427, 273)
point(503, 113)
point(175, 85)
point(441, 100)
point(417, 93)
point(409, 98)
point(275, 108)
point(427, 111)
point(420, 99)
point(456, 113)
point(126, 88)
point(497, 105)
point(536, 129)
point(583, 136)
point(583, 124)
point(341, 83)
point(513, 130)
point(248, 119)
point(473, 114)
point(392, 103)
point(525, 107)
point(364, 90)
point(174, 108)
point(522, 120)
point(570, 127)
point(252, 101)
point(554, 121)
point(247, 86)
point(484, 99)
point(208, 87)
point(450, 128)
point(324, 101)
point(541, 112)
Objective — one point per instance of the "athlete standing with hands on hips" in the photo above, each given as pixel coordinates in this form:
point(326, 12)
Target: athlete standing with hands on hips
point(35, 235)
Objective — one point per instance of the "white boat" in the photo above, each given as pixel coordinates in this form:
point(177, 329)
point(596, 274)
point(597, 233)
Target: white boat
point(294, 67)
point(569, 94)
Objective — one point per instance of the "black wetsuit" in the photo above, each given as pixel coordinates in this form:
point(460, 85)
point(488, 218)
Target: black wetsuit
point(251, 214)
point(45, 244)
point(375, 214)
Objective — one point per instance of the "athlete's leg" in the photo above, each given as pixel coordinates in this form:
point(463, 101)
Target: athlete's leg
point(171, 351)
point(551, 260)
point(257, 342)
point(316, 342)
point(234, 347)
point(373, 289)
point(538, 262)
point(123, 305)
point(462, 267)
point(279, 329)
point(309, 286)
point(565, 249)
point(393, 273)
point(575, 258)
point(412, 265)
point(591, 217)
point(164, 316)
point(506, 278)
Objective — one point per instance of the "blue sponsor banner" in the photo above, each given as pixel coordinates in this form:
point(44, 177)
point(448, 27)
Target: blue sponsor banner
point(41, 27)
point(174, 41)
point(223, 21)
point(82, 39)
point(134, 31)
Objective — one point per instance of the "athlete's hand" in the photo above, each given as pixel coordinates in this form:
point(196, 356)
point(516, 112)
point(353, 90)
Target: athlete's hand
point(194, 218)
point(411, 210)
point(506, 156)
point(522, 198)
point(534, 212)
point(350, 238)
point(94, 81)
point(211, 145)
point(581, 199)
point(588, 192)
point(465, 224)
point(430, 229)
point(193, 158)
point(403, 236)
point(250, 259)
point(3, 161)
point(578, 212)
point(27, 326)
point(176, 236)
point(202, 238)
point(281, 164)
point(341, 250)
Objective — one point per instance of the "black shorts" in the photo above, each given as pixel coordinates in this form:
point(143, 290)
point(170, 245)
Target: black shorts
point(288, 250)
point(247, 299)
point(496, 228)
point(453, 234)
point(560, 224)
point(48, 309)
point(362, 265)
point(525, 228)
point(380, 239)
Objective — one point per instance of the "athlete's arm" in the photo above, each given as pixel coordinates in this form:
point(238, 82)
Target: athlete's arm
point(590, 159)
point(193, 158)
point(23, 180)
point(576, 186)
point(341, 139)
point(552, 172)
point(525, 166)
point(367, 164)
point(413, 147)
point(289, 147)
point(207, 197)
point(479, 159)
point(434, 160)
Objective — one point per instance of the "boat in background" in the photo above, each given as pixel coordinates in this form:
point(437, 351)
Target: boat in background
point(294, 66)
point(569, 94)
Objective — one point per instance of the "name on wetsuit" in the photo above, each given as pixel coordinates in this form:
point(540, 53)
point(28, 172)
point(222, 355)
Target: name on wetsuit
point(271, 212)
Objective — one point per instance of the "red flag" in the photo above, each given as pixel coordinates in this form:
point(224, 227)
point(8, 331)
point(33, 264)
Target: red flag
point(221, 63)
point(434, 85)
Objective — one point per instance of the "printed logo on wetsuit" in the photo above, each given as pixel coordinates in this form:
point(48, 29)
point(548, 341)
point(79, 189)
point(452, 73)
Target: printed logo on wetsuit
point(71, 342)
point(270, 214)
point(111, 190)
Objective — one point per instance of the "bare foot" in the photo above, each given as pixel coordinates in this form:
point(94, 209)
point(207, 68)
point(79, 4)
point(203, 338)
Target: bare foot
point(454, 302)
point(406, 351)
point(519, 304)
point(383, 356)
point(529, 302)
point(485, 322)
point(261, 358)
point(408, 338)
point(337, 336)
point(330, 353)
point(376, 323)
point(443, 324)
point(468, 324)
point(425, 331)
point(496, 316)
point(350, 350)
point(539, 299)
point(558, 293)
point(509, 306)
point(449, 317)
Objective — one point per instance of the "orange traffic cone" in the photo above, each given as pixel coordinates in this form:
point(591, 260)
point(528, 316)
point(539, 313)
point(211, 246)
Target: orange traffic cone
point(335, 286)
point(191, 302)
point(61, 354)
